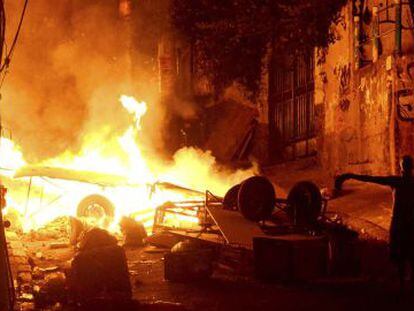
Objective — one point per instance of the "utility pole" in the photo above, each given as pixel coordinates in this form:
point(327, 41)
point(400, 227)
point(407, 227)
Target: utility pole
point(6, 281)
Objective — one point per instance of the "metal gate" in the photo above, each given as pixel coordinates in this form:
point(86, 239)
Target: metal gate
point(292, 100)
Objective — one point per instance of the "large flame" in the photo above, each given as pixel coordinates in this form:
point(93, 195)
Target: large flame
point(119, 155)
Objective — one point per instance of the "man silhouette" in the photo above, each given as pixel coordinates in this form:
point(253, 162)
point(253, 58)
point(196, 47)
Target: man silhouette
point(401, 240)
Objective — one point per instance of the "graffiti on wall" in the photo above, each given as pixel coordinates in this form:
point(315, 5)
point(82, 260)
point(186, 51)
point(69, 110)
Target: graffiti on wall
point(405, 96)
point(405, 105)
point(343, 74)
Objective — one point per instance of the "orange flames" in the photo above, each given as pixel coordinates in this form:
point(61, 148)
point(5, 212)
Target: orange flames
point(119, 155)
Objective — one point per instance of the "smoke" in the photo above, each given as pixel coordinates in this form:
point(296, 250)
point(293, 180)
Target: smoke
point(199, 170)
point(73, 60)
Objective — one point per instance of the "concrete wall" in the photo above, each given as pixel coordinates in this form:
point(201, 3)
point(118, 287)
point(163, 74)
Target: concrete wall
point(358, 124)
point(403, 112)
point(337, 116)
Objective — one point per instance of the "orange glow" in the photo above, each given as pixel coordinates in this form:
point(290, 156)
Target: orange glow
point(11, 157)
point(119, 155)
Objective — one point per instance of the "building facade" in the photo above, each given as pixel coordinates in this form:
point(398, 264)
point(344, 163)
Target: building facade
point(350, 106)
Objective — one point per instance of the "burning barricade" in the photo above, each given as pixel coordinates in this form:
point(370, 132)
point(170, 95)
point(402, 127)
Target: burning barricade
point(100, 198)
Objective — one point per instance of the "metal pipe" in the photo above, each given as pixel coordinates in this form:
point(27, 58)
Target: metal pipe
point(398, 27)
point(375, 34)
point(28, 197)
point(357, 58)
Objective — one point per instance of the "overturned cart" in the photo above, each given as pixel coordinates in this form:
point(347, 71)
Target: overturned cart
point(279, 238)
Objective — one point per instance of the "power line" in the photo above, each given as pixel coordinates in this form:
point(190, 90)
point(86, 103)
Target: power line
point(2, 28)
point(7, 59)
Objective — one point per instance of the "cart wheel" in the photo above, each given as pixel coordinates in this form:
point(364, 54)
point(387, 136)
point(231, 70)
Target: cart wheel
point(256, 199)
point(304, 203)
point(96, 207)
point(230, 198)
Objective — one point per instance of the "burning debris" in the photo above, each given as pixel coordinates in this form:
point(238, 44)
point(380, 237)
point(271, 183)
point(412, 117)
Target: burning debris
point(68, 186)
point(68, 206)
point(111, 175)
point(134, 232)
point(243, 234)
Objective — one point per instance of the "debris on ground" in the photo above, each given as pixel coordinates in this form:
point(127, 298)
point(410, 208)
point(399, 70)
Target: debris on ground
point(188, 261)
point(133, 231)
point(52, 291)
point(99, 267)
point(164, 239)
point(223, 245)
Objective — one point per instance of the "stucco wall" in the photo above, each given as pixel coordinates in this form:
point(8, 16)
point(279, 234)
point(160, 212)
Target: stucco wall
point(403, 125)
point(353, 108)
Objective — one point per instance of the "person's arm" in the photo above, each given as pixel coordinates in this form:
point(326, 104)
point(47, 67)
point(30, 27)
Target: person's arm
point(380, 180)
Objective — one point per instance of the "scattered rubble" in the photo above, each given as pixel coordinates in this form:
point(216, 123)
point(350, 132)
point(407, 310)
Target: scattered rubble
point(164, 239)
point(52, 291)
point(133, 231)
point(56, 230)
point(76, 228)
point(99, 268)
point(188, 261)
point(99, 273)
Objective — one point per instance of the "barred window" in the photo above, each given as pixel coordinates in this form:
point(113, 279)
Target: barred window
point(292, 99)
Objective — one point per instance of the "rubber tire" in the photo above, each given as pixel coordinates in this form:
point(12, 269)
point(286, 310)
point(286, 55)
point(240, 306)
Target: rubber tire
point(107, 205)
point(257, 198)
point(230, 198)
point(305, 198)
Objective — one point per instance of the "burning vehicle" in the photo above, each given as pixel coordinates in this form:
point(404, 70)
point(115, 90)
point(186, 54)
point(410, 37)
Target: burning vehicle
point(93, 199)
point(99, 197)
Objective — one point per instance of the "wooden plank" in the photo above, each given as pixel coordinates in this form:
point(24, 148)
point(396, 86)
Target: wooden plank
point(234, 227)
point(204, 236)
point(239, 231)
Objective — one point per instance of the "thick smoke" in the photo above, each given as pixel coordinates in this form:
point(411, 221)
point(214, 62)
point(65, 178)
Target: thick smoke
point(73, 60)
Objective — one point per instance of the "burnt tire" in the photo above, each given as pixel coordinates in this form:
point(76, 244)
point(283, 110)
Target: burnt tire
point(95, 205)
point(230, 198)
point(256, 199)
point(304, 203)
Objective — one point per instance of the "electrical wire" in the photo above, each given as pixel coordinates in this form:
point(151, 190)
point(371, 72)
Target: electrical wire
point(2, 28)
point(7, 59)
point(3, 46)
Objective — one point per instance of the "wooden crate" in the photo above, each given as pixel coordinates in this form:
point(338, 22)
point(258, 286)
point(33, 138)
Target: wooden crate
point(290, 257)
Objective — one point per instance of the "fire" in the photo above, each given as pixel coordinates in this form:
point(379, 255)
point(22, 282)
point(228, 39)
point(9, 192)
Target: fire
point(138, 109)
point(11, 157)
point(121, 156)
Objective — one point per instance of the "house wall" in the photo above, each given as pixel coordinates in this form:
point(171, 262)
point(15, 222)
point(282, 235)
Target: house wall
point(357, 106)
point(363, 106)
point(403, 125)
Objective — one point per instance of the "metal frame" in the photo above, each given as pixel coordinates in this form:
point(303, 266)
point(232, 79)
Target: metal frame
point(188, 208)
point(184, 208)
point(50, 203)
point(206, 222)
